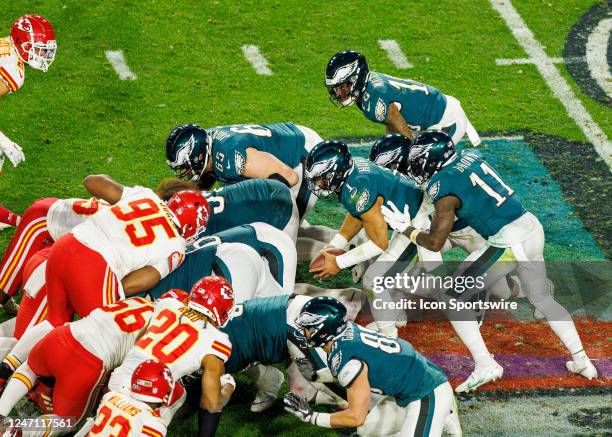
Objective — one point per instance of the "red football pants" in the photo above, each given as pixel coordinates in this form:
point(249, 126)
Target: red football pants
point(78, 281)
point(30, 237)
point(32, 310)
point(79, 374)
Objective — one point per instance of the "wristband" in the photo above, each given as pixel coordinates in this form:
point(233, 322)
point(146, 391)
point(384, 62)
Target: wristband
point(359, 254)
point(322, 419)
point(414, 234)
point(338, 241)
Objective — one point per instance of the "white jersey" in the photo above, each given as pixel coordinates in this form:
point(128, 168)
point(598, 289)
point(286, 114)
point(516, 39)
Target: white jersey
point(12, 69)
point(120, 415)
point(136, 232)
point(111, 331)
point(178, 338)
point(65, 214)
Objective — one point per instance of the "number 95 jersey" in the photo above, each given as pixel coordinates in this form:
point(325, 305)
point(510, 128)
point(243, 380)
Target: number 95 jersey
point(136, 232)
point(176, 336)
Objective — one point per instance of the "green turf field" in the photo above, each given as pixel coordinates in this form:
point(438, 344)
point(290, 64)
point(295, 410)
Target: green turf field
point(80, 119)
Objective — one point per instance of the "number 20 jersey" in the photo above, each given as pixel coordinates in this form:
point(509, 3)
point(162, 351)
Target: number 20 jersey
point(134, 233)
point(111, 331)
point(178, 339)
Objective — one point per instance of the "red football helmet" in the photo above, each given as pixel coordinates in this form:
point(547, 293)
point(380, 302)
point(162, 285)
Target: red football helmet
point(212, 296)
point(152, 382)
point(191, 212)
point(34, 39)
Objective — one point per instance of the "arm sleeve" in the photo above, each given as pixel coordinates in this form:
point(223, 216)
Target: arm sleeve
point(221, 346)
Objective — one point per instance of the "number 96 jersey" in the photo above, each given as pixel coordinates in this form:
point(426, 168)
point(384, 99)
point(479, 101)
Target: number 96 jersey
point(176, 336)
point(136, 232)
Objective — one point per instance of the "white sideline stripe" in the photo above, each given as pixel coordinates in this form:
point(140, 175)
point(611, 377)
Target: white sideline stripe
point(596, 55)
point(117, 61)
point(495, 138)
point(558, 85)
point(570, 60)
point(395, 53)
point(256, 59)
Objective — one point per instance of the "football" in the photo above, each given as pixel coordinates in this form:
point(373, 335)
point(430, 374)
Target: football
point(317, 261)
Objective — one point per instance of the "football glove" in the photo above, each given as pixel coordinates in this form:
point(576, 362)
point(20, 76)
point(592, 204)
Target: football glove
point(228, 379)
point(12, 150)
point(399, 221)
point(299, 407)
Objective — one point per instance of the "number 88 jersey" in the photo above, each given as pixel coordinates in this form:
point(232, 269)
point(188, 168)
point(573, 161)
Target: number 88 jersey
point(176, 336)
point(394, 367)
point(136, 232)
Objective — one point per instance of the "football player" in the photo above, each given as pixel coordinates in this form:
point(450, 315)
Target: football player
point(404, 106)
point(31, 41)
point(465, 185)
point(79, 359)
point(258, 259)
point(363, 188)
point(370, 364)
point(136, 413)
point(245, 151)
point(185, 336)
point(250, 201)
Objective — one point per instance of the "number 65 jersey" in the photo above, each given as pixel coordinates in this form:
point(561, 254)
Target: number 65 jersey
point(176, 336)
point(136, 232)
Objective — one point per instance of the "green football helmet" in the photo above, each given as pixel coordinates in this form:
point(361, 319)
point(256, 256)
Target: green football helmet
point(322, 319)
point(430, 151)
point(327, 166)
point(188, 150)
point(391, 151)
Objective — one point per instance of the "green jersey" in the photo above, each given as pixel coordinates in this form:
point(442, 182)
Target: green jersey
point(487, 203)
point(254, 200)
point(366, 181)
point(422, 106)
point(258, 332)
point(394, 367)
point(229, 143)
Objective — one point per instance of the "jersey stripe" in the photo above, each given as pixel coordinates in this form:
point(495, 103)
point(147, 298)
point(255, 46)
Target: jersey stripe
point(147, 430)
point(15, 260)
point(12, 85)
point(220, 347)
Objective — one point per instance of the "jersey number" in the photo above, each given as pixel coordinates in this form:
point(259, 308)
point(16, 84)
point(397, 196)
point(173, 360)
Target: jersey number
point(375, 340)
point(253, 129)
point(219, 203)
point(145, 213)
point(476, 180)
point(130, 318)
point(104, 417)
point(414, 86)
point(182, 336)
point(87, 206)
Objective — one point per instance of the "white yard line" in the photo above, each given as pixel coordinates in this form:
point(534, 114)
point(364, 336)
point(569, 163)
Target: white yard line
point(572, 60)
point(395, 53)
point(596, 55)
point(117, 61)
point(558, 85)
point(256, 59)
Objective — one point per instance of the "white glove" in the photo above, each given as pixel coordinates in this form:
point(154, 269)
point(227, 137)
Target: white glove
point(395, 218)
point(299, 407)
point(228, 379)
point(12, 150)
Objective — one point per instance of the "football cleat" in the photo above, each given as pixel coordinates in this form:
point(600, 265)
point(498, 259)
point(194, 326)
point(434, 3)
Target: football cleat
point(42, 396)
point(268, 386)
point(537, 314)
point(582, 364)
point(481, 376)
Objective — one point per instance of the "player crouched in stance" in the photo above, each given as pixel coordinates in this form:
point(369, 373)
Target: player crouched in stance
point(136, 413)
point(185, 336)
point(365, 361)
point(465, 185)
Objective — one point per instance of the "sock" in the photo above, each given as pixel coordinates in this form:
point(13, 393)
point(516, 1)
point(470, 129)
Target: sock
point(6, 346)
point(17, 387)
point(566, 331)
point(469, 334)
point(8, 217)
point(27, 341)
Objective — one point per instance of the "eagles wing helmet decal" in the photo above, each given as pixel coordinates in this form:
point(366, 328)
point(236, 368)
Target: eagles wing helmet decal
point(308, 319)
point(182, 155)
point(321, 167)
point(387, 157)
point(342, 74)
